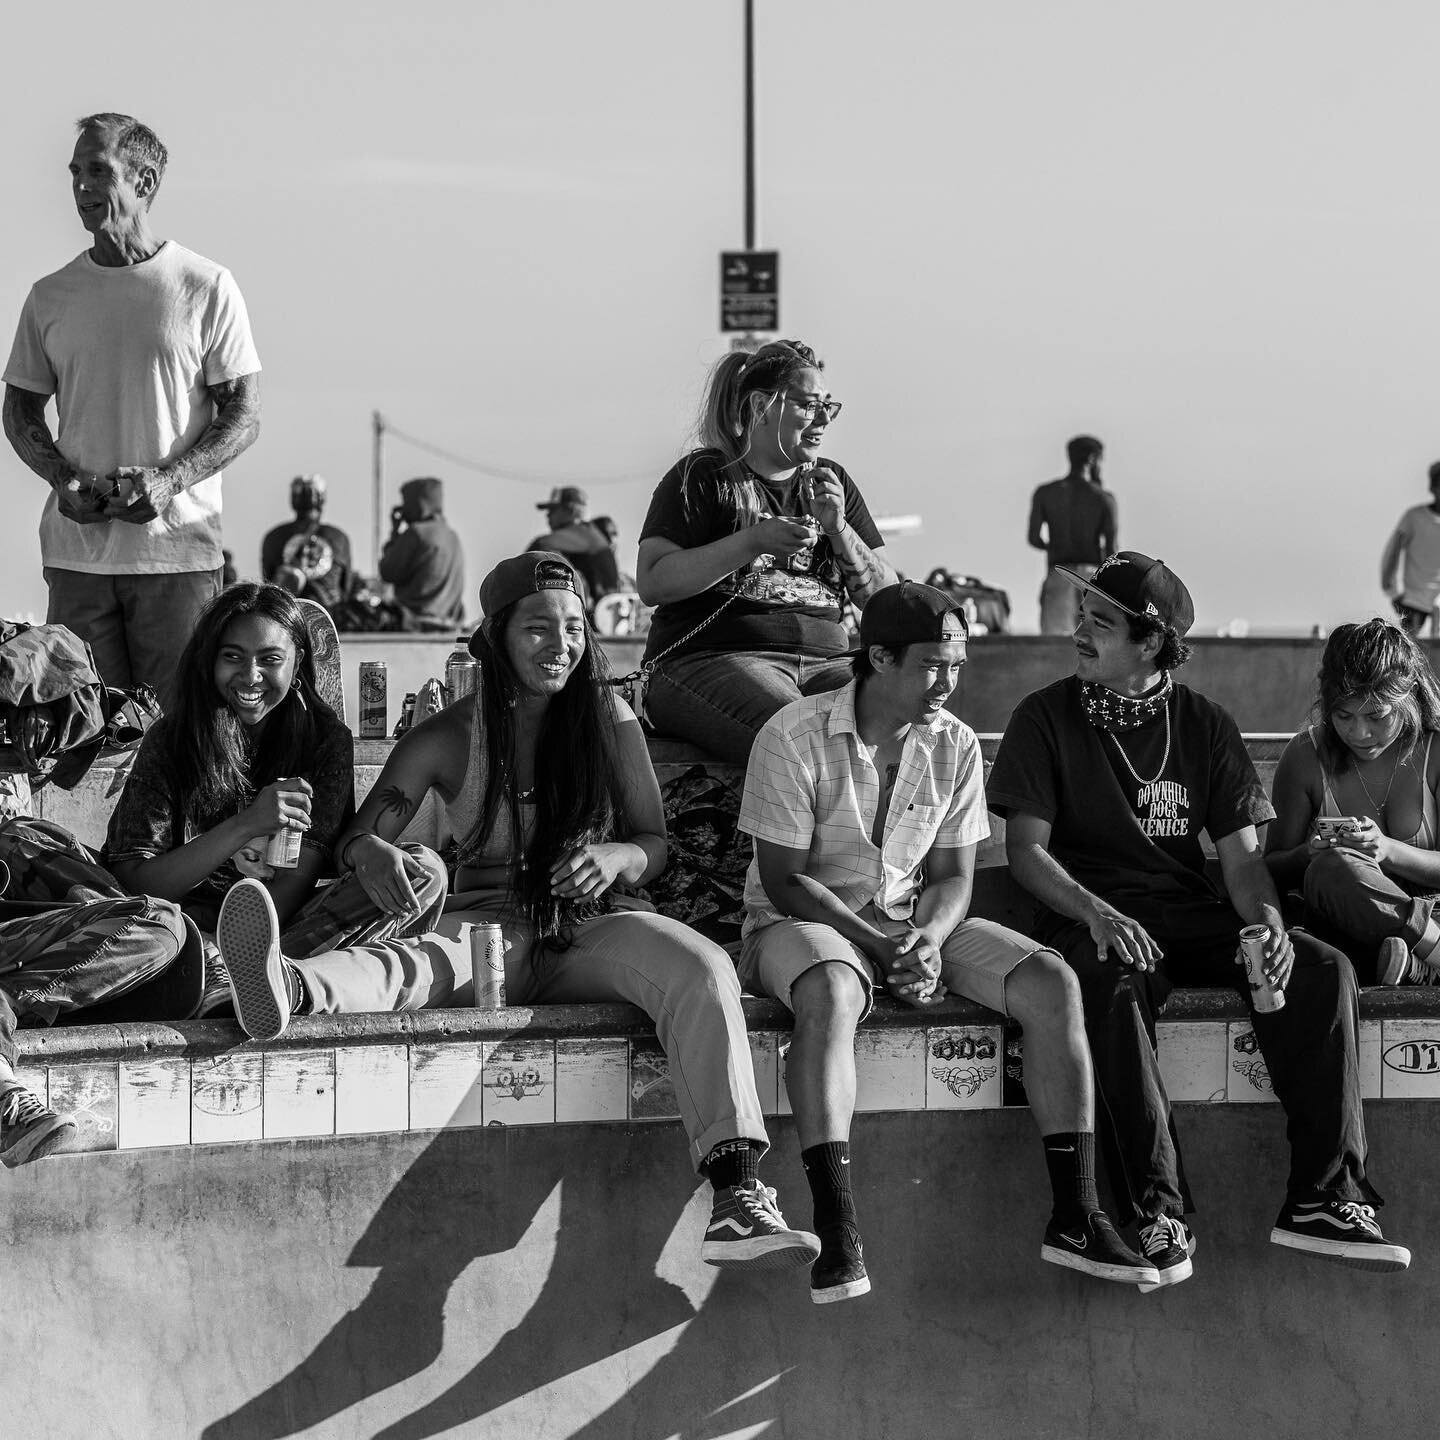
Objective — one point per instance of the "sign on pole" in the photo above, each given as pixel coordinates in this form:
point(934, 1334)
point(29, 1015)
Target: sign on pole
point(749, 290)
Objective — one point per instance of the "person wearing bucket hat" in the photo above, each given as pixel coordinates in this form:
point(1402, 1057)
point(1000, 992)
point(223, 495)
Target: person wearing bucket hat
point(423, 559)
point(866, 805)
point(1107, 780)
point(546, 783)
point(752, 548)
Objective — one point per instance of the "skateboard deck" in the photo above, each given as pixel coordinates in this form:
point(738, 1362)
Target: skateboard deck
point(325, 649)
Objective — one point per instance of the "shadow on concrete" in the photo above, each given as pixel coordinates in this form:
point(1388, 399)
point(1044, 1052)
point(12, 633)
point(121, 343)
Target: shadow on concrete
point(602, 1294)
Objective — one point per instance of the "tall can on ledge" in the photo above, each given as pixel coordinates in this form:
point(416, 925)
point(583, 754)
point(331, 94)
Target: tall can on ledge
point(374, 709)
point(461, 671)
point(487, 966)
point(1266, 997)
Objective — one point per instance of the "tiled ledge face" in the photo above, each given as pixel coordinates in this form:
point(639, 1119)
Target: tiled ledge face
point(137, 1101)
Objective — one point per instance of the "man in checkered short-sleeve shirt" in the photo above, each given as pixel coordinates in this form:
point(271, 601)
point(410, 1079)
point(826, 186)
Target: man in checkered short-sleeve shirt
point(866, 805)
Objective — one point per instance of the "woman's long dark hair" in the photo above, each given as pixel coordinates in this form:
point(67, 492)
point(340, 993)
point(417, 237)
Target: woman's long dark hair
point(578, 787)
point(1375, 659)
point(740, 387)
point(218, 764)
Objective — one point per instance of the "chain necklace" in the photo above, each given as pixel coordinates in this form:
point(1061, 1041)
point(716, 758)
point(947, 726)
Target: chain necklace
point(1164, 759)
point(1384, 799)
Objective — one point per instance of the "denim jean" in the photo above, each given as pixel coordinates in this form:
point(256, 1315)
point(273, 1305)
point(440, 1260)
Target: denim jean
point(135, 625)
point(1309, 1048)
point(1354, 904)
point(62, 958)
point(719, 699)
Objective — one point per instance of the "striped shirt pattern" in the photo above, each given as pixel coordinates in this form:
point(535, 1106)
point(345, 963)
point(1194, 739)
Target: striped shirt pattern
point(812, 785)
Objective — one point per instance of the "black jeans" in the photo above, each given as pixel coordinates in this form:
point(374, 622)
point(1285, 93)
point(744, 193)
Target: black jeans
point(1309, 1048)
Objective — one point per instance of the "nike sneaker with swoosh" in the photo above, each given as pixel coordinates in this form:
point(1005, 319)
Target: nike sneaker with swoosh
point(839, 1273)
point(1089, 1244)
point(747, 1229)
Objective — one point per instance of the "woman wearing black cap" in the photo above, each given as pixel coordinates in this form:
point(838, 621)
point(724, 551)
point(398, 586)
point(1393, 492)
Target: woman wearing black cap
point(547, 785)
point(751, 548)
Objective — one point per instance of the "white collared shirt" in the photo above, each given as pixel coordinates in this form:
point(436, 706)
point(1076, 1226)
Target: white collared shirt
point(812, 785)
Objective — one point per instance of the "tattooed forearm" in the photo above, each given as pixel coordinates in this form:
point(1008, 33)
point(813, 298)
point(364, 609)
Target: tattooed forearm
point(29, 434)
point(229, 434)
point(862, 570)
point(393, 800)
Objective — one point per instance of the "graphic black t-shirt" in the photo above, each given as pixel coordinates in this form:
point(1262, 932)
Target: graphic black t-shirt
point(1128, 831)
point(773, 603)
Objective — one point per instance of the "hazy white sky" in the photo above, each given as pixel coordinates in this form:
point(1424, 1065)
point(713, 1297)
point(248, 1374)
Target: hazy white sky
point(1205, 237)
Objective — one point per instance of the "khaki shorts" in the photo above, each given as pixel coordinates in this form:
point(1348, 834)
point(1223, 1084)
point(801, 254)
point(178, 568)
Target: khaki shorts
point(974, 961)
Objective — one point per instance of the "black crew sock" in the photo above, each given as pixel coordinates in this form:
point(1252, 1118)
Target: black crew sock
point(1070, 1159)
point(732, 1162)
point(827, 1168)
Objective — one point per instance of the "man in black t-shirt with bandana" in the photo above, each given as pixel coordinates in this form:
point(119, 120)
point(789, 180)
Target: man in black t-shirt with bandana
point(1106, 780)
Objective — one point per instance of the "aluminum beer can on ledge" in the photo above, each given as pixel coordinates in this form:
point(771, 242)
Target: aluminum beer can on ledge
point(1266, 997)
point(373, 703)
point(487, 966)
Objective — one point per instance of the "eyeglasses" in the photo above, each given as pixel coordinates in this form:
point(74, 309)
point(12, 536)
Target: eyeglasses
point(812, 405)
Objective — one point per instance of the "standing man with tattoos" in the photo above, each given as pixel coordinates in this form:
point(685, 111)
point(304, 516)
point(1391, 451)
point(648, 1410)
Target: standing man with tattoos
point(146, 348)
point(751, 548)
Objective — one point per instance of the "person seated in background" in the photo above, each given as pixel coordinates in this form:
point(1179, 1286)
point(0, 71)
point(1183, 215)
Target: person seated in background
point(423, 560)
point(1107, 780)
point(875, 794)
point(548, 787)
point(1410, 564)
point(1357, 796)
point(751, 548)
point(583, 544)
point(606, 525)
point(305, 555)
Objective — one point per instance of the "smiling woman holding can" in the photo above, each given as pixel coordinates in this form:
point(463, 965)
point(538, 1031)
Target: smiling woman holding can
point(752, 545)
point(548, 789)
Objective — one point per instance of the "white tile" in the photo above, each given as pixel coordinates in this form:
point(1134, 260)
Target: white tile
point(299, 1093)
point(1410, 1060)
point(87, 1091)
point(1194, 1060)
point(519, 1082)
point(765, 1060)
point(154, 1103)
point(592, 1080)
point(227, 1098)
point(1370, 1046)
point(890, 1070)
point(372, 1089)
point(652, 1094)
point(445, 1086)
point(962, 1067)
point(1247, 1077)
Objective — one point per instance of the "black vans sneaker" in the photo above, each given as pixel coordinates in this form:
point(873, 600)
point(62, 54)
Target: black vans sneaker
point(1341, 1230)
point(839, 1272)
point(1090, 1245)
point(1168, 1244)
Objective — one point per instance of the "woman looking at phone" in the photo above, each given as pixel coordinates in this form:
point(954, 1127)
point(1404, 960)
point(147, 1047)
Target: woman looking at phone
point(1356, 802)
point(752, 545)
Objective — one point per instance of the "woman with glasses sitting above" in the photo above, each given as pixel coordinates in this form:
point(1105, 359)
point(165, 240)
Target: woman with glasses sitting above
point(750, 549)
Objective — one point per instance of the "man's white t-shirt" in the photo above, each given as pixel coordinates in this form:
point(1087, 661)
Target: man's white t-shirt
point(1417, 541)
point(127, 352)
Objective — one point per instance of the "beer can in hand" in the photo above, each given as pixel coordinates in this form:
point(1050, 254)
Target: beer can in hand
point(282, 850)
point(487, 966)
point(1266, 997)
point(373, 703)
